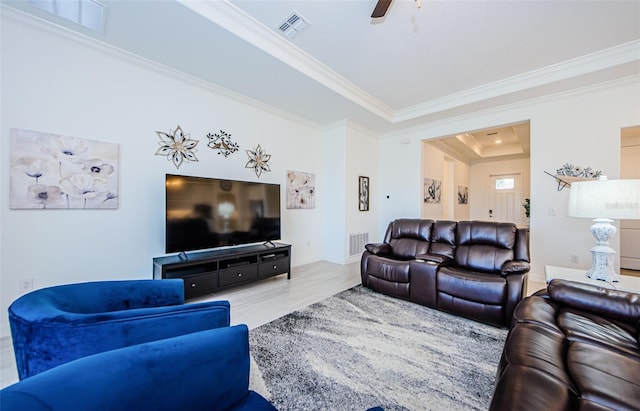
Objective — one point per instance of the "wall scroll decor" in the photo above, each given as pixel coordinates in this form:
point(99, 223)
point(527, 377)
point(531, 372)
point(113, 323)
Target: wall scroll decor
point(363, 193)
point(222, 142)
point(51, 171)
point(258, 160)
point(177, 146)
point(432, 190)
point(463, 195)
point(301, 190)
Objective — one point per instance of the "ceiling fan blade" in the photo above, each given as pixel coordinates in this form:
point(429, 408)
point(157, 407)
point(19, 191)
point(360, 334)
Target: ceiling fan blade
point(381, 8)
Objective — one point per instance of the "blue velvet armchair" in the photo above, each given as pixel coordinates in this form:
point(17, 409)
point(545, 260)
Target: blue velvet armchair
point(207, 370)
point(54, 325)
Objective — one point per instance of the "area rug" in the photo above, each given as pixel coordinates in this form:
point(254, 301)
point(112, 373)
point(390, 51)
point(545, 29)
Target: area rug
point(360, 349)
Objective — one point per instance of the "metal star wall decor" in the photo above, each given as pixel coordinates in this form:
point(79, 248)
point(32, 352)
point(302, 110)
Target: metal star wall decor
point(258, 160)
point(222, 142)
point(177, 146)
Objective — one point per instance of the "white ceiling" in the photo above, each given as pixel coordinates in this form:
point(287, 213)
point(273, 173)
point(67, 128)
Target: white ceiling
point(414, 65)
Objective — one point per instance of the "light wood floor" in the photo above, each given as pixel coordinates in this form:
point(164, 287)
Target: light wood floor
point(260, 302)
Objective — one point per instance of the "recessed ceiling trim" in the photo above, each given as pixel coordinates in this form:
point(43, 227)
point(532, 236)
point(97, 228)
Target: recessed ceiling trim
point(236, 21)
point(611, 57)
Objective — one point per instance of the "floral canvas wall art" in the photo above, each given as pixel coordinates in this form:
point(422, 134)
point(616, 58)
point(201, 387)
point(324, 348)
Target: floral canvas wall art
point(50, 171)
point(301, 190)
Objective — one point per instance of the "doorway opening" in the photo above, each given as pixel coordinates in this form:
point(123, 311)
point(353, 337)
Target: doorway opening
point(470, 164)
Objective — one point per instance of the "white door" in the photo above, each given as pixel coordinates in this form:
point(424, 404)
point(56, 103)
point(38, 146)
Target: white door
point(505, 199)
point(630, 229)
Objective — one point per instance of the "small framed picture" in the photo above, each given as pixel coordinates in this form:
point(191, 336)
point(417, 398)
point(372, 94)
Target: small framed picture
point(363, 193)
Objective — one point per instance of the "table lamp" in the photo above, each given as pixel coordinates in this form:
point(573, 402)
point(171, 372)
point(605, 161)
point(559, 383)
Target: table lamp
point(604, 200)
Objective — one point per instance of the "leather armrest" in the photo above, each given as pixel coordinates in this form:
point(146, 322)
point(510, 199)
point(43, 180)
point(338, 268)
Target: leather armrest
point(515, 266)
point(435, 258)
point(379, 248)
point(617, 304)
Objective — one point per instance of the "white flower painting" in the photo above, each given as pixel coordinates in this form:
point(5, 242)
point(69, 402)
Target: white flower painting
point(301, 189)
point(51, 171)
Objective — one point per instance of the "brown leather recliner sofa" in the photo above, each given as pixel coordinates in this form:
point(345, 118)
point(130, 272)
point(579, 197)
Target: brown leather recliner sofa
point(573, 346)
point(476, 269)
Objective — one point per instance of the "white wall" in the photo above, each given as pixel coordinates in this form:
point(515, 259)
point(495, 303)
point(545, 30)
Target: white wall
point(400, 189)
point(435, 164)
point(362, 160)
point(56, 82)
point(580, 127)
point(334, 192)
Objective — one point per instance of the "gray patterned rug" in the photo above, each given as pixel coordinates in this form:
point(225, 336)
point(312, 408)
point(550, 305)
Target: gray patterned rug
point(360, 349)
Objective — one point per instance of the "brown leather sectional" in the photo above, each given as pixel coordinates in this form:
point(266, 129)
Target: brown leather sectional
point(573, 346)
point(476, 269)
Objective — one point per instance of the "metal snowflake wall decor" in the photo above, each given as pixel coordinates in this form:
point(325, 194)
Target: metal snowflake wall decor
point(177, 146)
point(258, 160)
point(222, 142)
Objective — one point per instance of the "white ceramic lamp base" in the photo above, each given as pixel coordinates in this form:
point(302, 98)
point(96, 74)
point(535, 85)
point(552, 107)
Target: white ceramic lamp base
point(602, 256)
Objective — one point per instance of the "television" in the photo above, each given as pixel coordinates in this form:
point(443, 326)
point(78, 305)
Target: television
point(204, 213)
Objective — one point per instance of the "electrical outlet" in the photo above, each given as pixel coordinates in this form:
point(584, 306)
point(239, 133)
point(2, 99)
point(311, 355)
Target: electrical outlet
point(575, 259)
point(25, 285)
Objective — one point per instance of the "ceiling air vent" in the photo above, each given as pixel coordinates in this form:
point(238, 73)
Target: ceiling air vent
point(293, 25)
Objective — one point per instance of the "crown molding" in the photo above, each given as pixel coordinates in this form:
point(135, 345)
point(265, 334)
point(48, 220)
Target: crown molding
point(142, 62)
point(603, 59)
point(422, 129)
point(236, 21)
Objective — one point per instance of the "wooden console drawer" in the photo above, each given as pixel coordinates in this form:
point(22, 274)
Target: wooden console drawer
point(200, 284)
point(238, 274)
point(278, 266)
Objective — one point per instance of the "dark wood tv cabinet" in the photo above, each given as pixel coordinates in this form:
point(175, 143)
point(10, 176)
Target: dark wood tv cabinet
point(208, 271)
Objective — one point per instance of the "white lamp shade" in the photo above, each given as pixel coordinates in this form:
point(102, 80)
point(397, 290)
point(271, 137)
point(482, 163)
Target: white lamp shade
point(612, 199)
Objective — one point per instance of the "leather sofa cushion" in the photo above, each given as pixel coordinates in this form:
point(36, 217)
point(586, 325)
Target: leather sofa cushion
point(388, 269)
point(408, 248)
point(502, 235)
point(443, 238)
point(580, 326)
point(472, 286)
point(537, 310)
point(481, 257)
point(411, 228)
point(485, 246)
point(604, 377)
point(409, 237)
point(538, 347)
point(612, 303)
point(523, 389)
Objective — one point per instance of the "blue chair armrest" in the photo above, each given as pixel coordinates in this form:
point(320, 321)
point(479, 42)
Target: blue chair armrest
point(208, 370)
point(58, 324)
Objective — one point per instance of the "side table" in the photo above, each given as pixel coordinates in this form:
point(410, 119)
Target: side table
point(626, 283)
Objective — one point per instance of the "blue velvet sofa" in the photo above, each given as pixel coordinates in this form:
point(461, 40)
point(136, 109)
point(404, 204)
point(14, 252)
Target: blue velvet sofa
point(207, 370)
point(54, 325)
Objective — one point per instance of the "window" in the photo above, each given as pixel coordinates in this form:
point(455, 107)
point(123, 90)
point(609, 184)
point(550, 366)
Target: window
point(505, 183)
point(88, 13)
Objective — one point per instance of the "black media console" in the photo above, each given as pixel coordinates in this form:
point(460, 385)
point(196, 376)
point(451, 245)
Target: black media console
point(208, 271)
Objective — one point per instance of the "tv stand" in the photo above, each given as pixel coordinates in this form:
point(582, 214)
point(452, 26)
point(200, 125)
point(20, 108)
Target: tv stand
point(210, 271)
point(269, 242)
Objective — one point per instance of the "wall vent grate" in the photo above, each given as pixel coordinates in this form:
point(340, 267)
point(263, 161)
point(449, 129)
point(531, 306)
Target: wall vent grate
point(357, 243)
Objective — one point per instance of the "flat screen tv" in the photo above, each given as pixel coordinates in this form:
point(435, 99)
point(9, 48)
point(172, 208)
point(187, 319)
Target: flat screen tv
point(206, 213)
